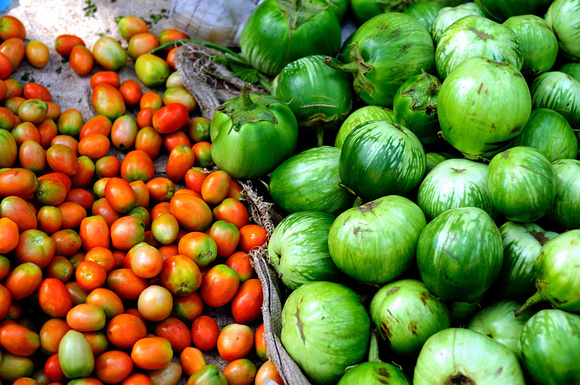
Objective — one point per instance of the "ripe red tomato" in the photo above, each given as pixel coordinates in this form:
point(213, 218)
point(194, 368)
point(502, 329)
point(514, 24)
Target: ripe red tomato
point(226, 237)
point(247, 304)
point(54, 298)
point(125, 329)
point(219, 286)
point(152, 353)
point(170, 118)
point(175, 331)
point(204, 333)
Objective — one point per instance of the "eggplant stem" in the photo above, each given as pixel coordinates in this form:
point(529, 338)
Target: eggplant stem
point(534, 299)
point(351, 67)
point(319, 137)
point(374, 346)
point(248, 104)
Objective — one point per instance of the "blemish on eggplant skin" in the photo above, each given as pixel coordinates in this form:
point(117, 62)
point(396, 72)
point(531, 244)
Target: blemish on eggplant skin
point(393, 290)
point(356, 230)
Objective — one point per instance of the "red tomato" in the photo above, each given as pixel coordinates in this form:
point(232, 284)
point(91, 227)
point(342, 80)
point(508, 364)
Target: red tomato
point(51, 333)
point(54, 298)
point(125, 283)
point(170, 118)
point(247, 304)
point(219, 286)
point(64, 44)
point(125, 329)
point(103, 257)
point(235, 341)
point(204, 333)
point(103, 208)
point(175, 331)
point(6, 301)
point(120, 195)
point(67, 242)
point(98, 124)
point(192, 213)
point(94, 146)
point(53, 370)
point(187, 308)
point(137, 165)
point(81, 60)
point(149, 141)
point(260, 343)
point(181, 159)
point(94, 232)
point(152, 353)
point(194, 178)
point(105, 77)
point(241, 263)
point(233, 211)
point(107, 300)
point(72, 215)
point(226, 237)
point(61, 158)
point(19, 340)
point(113, 366)
point(268, 372)
point(131, 91)
point(18, 182)
point(35, 246)
point(18, 210)
point(9, 235)
point(170, 141)
point(124, 131)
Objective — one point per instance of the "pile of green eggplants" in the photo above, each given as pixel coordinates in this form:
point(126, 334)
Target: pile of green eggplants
point(428, 166)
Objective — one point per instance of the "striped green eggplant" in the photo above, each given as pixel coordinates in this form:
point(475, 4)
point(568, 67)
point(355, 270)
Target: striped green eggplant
point(359, 116)
point(566, 209)
point(559, 92)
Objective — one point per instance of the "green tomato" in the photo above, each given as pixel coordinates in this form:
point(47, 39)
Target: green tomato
point(252, 134)
point(151, 70)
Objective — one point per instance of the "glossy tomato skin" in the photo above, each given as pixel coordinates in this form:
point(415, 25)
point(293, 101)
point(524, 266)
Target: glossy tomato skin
point(126, 232)
point(232, 211)
point(94, 231)
point(235, 341)
point(108, 101)
point(54, 298)
point(240, 372)
point(180, 275)
point(85, 317)
point(175, 331)
point(204, 333)
point(113, 366)
point(215, 187)
point(219, 286)
point(125, 283)
point(226, 236)
point(268, 371)
point(123, 330)
point(192, 213)
point(18, 210)
point(152, 353)
point(260, 344)
point(192, 360)
point(187, 308)
point(35, 246)
point(19, 340)
point(247, 304)
point(170, 118)
point(18, 182)
point(199, 247)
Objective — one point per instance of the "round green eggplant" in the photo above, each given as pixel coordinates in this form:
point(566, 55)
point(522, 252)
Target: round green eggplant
point(550, 346)
point(434, 158)
point(364, 10)
point(551, 134)
point(379, 158)
point(415, 106)
point(537, 41)
point(309, 181)
point(455, 183)
point(383, 53)
point(566, 209)
point(252, 134)
point(425, 12)
point(359, 116)
point(564, 18)
point(298, 249)
point(375, 243)
point(559, 92)
point(462, 356)
point(325, 328)
point(281, 31)
point(572, 69)
point(473, 36)
point(483, 106)
point(521, 184)
point(459, 254)
point(498, 321)
point(522, 244)
point(500, 10)
point(406, 313)
point(449, 15)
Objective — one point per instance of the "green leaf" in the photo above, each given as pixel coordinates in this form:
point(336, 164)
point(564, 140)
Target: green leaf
point(249, 75)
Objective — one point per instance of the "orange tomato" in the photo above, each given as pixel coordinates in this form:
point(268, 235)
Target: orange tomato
point(103, 208)
point(108, 101)
point(32, 156)
point(67, 242)
point(192, 360)
point(125, 283)
point(141, 43)
point(85, 317)
point(105, 77)
point(260, 343)
point(94, 146)
point(170, 141)
point(61, 158)
point(35, 246)
point(181, 159)
point(192, 213)
point(235, 341)
point(107, 300)
point(102, 256)
point(51, 333)
point(9, 235)
point(98, 124)
point(161, 189)
point(180, 275)
point(187, 308)
point(18, 182)
point(232, 211)
point(268, 371)
point(37, 53)
point(107, 166)
point(72, 215)
point(120, 195)
point(94, 232)
point(64, 44)
point(113, 366)
point(6, 68)
point(194, 178)
point(15, 49)
point(240, 372)
point(126, 232)
point(18, 339)
point(252, 236)
point(200, 247)
point(130, 25)
point(81, 60)
point(137, 165)
point(11, 26)
point(137, 379)
point(54, 298)
point(150, 100)
point(146, 261)
point(204, 333)
point(152, 353)
point(125, 329)
point(226, 237)
point(18, 210)
point(124, 132)
point(131, 91)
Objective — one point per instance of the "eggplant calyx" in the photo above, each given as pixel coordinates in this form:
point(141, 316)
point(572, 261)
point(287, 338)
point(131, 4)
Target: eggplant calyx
point(243, 109)
point(356, 66)
point(534, 299)
point(374, 347)
point(298, 12)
